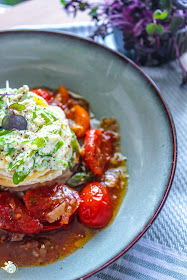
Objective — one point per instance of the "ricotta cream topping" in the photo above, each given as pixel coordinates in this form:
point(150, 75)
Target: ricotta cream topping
point(46, 144)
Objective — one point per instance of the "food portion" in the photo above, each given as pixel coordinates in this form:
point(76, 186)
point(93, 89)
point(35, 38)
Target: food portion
point(41, 152)
point(96, 207)
point(62, 175)
point(97, 149)
point(14, 216)
point(51, 204)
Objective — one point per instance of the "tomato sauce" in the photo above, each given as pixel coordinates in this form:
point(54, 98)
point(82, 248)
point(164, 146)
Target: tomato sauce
point(44, 248)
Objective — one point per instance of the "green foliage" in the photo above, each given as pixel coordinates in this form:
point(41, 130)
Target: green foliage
point(175, 24)
point(165, 5)
point(83, 6)
point(93, 11)
point(63, 2)
point(158, 14)
point(154, 28)
point(133, 23)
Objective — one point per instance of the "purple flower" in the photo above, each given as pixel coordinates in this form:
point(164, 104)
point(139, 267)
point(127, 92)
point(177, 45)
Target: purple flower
point(142, 30)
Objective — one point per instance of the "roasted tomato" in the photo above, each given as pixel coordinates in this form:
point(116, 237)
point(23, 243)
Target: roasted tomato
point(97, 149)
point(62, 95)
point(95, 209)
point(43, 93)
point(79, 120)
point(47, 227)
point(14, 217)
point(52, 203)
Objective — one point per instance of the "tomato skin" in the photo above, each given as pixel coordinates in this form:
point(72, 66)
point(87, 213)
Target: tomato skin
point(79, 120)
point(43, 93)
point(52, 204)
point(47, 227)
point(62, 95)
point(14, 217)
point(97, 149)
point(96, 208)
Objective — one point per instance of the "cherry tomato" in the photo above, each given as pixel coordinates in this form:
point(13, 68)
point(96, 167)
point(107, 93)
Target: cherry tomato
point(43, 93)
point(97, 149)
point(14, 217)
point(62, 95)
point(95, 209)
point(79, 120)
point(52, 203)
point(54, 102)
point(47, 227)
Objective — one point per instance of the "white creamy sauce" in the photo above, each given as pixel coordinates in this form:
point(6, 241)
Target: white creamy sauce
point(47, 142)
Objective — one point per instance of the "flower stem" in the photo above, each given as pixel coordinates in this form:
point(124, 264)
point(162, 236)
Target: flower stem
point(7, 94)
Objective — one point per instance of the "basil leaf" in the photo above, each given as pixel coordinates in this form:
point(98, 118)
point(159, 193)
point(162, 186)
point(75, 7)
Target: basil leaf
point(52, 152)
point(17, 106)
point(74, 142)
point(39, 142)
point(20, 174)
point(79, 179)
point(3, 132)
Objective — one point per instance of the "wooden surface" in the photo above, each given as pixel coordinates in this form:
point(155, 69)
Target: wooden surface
point(34, 12)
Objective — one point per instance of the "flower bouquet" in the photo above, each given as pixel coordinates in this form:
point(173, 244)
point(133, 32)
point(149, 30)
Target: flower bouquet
point(149, 32)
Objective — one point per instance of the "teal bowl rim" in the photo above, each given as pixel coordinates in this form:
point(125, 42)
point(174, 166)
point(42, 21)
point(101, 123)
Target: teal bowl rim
point(167, 111)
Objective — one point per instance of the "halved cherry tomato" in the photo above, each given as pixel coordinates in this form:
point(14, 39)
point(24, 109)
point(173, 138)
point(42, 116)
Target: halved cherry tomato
point(43, 93)
point(47, 227)
point(52, 203)
point(79, 120)
point(62, 95)
point(14, 217)
point(97, 149)
point(95, 209)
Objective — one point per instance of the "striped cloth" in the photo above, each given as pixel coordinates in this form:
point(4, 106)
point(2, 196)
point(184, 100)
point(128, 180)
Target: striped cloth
point(161, 254)
point(146, 260)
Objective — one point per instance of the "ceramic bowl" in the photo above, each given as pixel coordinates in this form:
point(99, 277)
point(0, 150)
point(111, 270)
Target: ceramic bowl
point(115, 87)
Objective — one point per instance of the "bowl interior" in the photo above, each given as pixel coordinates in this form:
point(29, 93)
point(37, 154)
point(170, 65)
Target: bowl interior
point(114, 88)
